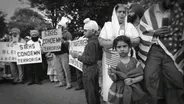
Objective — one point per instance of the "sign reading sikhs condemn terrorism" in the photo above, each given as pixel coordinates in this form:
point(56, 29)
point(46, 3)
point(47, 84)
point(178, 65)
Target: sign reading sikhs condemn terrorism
point(29, 53)
point(52, 40)
point(77, 46)
point(7, 52)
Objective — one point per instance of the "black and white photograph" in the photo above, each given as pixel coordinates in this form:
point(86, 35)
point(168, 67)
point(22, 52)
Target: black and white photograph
point(91, 51)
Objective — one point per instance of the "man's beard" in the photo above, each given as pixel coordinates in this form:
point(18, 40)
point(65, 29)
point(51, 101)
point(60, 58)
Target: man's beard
point(34, 39)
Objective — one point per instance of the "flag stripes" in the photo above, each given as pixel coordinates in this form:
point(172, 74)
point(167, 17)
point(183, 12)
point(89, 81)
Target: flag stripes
point(112, 58)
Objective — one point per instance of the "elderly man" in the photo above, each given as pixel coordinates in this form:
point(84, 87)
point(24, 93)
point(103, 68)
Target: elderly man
point(89, 58)
point(16, 70)
point(162, 52)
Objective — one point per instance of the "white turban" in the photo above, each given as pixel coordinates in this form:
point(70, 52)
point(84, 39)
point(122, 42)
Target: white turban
point(34, 32)
point(15, 30)
point(90, 24)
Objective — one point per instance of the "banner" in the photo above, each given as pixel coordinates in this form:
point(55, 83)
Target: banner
point(29, 53)
point(110, 59)
point(77, 46)
point(7, 52)
point(51, 40)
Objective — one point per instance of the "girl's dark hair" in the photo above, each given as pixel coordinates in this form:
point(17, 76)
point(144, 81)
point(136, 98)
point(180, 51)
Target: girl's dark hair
point(121, 38)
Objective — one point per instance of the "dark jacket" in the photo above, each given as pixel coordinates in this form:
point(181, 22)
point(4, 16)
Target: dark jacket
point(64, 46)
point(90, 55)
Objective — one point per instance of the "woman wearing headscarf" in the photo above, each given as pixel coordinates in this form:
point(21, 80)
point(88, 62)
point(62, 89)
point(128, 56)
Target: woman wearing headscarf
point(118, 26)
point(109, 32)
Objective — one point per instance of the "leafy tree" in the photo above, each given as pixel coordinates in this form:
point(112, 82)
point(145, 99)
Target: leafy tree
point(26, 19)
point(54, 8)
point(99, 10)
point(3, 27)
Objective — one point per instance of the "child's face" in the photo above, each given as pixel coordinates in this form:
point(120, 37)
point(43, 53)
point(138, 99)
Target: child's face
point(88, 33)
point(122, 48)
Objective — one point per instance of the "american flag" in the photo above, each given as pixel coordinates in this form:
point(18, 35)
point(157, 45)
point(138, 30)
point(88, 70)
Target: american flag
point(112, 58)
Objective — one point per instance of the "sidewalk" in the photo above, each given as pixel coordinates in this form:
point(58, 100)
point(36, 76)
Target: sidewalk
point(46, 93)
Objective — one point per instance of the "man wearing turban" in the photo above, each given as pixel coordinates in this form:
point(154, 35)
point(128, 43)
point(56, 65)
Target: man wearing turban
point(16, 70)
point(34, 69)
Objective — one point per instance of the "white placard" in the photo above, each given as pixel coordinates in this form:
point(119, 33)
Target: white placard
point(7, 52)
point(77, 46)
point(51, 40)
point(29, 53)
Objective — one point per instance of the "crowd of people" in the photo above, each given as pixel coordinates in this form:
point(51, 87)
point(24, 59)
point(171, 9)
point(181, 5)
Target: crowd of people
point(149, 45)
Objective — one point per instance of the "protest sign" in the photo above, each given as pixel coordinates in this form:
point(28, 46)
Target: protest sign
point(7, 52)
point(75, 63)
point(51, 40)
point(77, 46)
point(28, 53)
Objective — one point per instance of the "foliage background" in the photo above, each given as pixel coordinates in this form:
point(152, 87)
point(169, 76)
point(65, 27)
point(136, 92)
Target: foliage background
point(98, 10)
point(26, 19)
point(3, 26)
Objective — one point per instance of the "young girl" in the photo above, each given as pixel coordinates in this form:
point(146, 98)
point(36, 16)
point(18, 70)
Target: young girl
point(127, 74)
point(51, 70)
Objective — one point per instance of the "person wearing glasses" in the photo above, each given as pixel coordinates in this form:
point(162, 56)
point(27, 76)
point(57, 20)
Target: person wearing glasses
point(89, 58)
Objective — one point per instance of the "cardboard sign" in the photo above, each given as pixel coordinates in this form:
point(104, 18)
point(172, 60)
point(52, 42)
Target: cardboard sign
point(7, 52)
point(51, 40)
point(29, 53)
point(75, 63)
point(77, 46)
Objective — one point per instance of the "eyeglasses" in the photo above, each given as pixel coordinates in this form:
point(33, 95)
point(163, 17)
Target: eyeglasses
point(34, 34)
point(13, 33)
point(87, 30)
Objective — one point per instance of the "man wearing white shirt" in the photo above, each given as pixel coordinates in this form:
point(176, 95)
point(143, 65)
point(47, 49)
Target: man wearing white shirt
point(34, 69)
